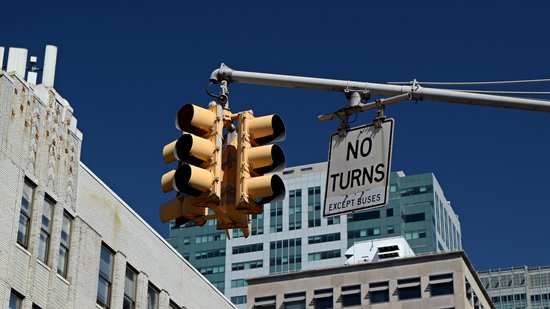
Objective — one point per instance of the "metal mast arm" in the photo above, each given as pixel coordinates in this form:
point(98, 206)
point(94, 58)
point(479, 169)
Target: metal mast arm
point(415, 91)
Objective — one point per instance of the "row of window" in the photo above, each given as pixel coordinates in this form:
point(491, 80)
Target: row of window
point(247, 265)
point(16, 301)
point(248, 248)
point(46, 228)
point(325, 255)
point(351, 296)
point(105, 282)
point(209, 254)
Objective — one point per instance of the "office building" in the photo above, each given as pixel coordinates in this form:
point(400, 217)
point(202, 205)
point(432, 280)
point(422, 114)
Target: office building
point(518, 287)
point(438, 280)
point(292, 235)
point(68, 241)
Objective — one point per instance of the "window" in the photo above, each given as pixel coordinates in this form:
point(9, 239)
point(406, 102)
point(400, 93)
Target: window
point(295, 300)
point(314, 206)
point(63, 259)
point(390, 229)
point(266, 302)
point(441, 285)
point(351, 296)
point(295, 210)
point(152, 297)
point(389, 212)
point(45, 231)
point(247, 265)
point(365, 215)
point(276, 217)
point(409, 288)
point(323, 238)
point(323, 299)
point(248, 248)
point(257, 224)
point(285, 255)
point(235, 283)
point(379, 292)
point(325, 255)
point(16, 300)
point(333, 220)
point(25, 215)
point(105, 277)
point(130, 282)
point(237, 300)
point(415, 234)
point(414, 217)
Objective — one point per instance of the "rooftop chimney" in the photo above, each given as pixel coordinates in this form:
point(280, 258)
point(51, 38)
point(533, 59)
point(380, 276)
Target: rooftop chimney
point(17, 61)
point(48, 74)
point(1, 58)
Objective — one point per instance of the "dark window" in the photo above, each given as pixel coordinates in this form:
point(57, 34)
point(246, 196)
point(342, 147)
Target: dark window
point(16, 300)
point(266, 302)
point(441, 285)
point(414, 217)
point(129, 301)
point(248, 248)
point(409, 288)
point(389, 212)
point(379, 292)
point(365, 215)
point(25, 216)
point(351, 296)
point(237, 300)
point(152, 297)
point(295, 300)
point(323, 299)
point(105, 277)
point(63, 258)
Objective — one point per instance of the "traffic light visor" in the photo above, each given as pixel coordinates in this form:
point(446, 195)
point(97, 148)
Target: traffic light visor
point(192, 180)
point(266, 189)
point(265, 159)
point(195, 120)
point(267, 129)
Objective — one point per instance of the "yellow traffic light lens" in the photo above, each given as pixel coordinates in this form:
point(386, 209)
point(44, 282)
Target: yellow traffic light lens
point(266, 189)
point(192, 180)
point(267, 129)
point(265, 159)
point(195, 120)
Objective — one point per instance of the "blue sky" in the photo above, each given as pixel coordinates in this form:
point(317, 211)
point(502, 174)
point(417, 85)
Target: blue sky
point(127, 67)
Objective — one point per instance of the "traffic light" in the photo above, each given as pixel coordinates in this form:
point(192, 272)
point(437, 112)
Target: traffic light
point(229, 217)
point(197, 178)
point(255, 158)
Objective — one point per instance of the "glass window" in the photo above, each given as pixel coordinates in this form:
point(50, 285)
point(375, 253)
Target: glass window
point(63, 259)
point(152, 297)
point(276, 217)
point(130, 281)
point(379, 292)
point(351, 296)
point(409, 288)
point(45, 231)
point(237, 300)
point(441, 285)
point(295, 210)
point(389, 212)
point(333, 220)
point(323, 299)
point(314, 206)
point(25, 215)
point(105, 277)
point(16, 300)
point(295, 300)
point(257, 224)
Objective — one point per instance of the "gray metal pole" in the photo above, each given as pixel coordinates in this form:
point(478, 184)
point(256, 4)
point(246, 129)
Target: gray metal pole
point(416, 91)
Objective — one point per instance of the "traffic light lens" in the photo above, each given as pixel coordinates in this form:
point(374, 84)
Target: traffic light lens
point(195, 120)
point(266, 189)
point(265, 159)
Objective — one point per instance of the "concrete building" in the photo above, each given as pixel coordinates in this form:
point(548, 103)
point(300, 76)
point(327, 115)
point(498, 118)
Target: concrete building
point(440, 280)
point(292, 235)
point(518, 287)
point(68, 241)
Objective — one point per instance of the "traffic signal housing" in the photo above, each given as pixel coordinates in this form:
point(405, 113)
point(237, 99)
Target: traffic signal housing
point(257, 157)
point(197, 179)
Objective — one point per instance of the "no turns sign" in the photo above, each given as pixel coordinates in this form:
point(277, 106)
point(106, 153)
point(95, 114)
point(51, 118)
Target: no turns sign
point(358, 169)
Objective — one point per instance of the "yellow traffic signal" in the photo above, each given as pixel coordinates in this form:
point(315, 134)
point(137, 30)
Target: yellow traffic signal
point(198, 175)
point(253, 189)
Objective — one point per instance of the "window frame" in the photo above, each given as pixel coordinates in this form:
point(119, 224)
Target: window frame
point(26, 213)
point(126, 297)
point(62, 270)
point(101, 276)
point(45, 235)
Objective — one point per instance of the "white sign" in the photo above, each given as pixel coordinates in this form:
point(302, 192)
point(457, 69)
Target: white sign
point(359, 169)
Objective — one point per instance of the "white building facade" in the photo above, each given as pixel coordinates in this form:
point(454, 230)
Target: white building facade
point(68, 241)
